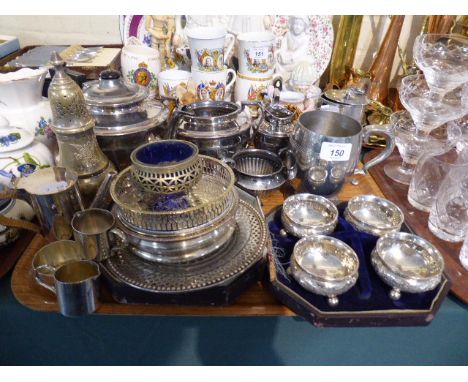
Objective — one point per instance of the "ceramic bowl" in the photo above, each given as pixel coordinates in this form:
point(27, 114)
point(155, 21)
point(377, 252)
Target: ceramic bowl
point(306, 214)
point(374, 215)
point(325, 266)
point(166, 167)
point(407, 263)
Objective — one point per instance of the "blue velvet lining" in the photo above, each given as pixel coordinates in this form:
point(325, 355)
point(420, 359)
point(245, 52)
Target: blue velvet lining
point(369, 293)
point(164, 153)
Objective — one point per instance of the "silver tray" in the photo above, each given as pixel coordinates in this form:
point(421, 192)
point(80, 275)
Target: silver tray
point(248, 245)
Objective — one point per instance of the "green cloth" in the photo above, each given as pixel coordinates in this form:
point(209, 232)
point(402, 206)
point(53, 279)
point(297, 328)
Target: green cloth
point(33, 338)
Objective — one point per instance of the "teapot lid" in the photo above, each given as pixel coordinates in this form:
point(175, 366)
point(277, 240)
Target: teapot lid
point(111, 90)
point(350, 96)
point(14, 138)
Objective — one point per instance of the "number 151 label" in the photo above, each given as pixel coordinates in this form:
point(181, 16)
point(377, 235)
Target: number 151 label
point(339, 152)
point(258, 53)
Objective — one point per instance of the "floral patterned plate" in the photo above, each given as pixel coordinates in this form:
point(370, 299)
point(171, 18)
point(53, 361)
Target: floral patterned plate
point(134, 26)
point(320, 34)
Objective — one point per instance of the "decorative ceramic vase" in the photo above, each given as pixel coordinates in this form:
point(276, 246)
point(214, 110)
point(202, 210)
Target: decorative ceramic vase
point(21, 154)
point(22, 104)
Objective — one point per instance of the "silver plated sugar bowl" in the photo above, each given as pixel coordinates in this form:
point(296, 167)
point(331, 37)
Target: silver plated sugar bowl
point(218, 128)
point(407, 263)
point(373, 215)
point(325, 266)
point(304, 215)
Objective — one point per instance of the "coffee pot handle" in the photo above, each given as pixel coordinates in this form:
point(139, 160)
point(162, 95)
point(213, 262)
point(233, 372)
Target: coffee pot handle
point(387, 151)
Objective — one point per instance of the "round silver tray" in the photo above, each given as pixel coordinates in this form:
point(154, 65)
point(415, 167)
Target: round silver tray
point(247, 246)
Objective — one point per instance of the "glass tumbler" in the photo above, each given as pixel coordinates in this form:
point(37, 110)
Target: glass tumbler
point(448, 218)
point(430, 172)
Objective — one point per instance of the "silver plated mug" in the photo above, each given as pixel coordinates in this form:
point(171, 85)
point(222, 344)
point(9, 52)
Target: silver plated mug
point(76, 285)
point(93, 229)
point(327, 147)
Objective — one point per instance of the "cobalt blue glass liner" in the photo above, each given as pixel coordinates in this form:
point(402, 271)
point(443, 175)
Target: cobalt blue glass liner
point(164, 153)
point(370, 292)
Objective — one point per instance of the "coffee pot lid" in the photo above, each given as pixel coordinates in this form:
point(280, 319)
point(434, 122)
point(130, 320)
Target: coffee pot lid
point(111, 90)
point(349, 96)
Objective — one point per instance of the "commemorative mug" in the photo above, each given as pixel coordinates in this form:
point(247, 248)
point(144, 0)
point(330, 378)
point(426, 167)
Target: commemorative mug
point(254, 88)
point(92, 229)
point(140, 65)
point(255, 54)
point(168, 80)
point(207, 48)
point(327, 147)
point(76, 285)
point(213, 85)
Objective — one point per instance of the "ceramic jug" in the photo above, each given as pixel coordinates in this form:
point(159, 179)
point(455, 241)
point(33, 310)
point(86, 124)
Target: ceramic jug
point(22, 104)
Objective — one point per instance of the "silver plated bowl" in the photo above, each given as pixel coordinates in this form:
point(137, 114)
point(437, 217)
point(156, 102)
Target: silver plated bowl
point(374, 215)
point(261, 171)
point(407, 263)
point(306, 214)
point(167, 166)
point(325, 266)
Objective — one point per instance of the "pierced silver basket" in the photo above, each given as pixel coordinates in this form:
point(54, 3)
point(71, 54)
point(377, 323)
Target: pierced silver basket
point(205, 203)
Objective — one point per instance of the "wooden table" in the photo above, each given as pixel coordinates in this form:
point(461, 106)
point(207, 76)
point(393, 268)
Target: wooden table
point(256, 301)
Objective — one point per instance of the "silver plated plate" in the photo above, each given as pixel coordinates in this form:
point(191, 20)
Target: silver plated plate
point(247, 246)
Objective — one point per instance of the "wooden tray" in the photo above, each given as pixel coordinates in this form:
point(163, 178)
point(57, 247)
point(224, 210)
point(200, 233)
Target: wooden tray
point(417, 221)
point(257, 301)
point(11, 253)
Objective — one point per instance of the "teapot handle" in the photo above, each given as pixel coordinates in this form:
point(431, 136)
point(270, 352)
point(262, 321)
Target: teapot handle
point(17, 223)
point(389, 146)
point(261, 117)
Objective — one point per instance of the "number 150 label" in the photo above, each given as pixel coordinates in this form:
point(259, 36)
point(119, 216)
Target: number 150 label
point(338, 152)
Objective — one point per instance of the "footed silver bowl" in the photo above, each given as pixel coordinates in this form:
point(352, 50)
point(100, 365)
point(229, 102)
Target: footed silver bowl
point(306, 214)
point(407, 263)
point(374, 215)
point(325, 266)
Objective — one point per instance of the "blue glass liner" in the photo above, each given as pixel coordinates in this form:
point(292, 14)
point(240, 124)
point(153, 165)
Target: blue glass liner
point(164, 153)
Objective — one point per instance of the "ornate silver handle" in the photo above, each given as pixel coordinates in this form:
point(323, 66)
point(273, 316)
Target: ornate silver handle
point(389, 146)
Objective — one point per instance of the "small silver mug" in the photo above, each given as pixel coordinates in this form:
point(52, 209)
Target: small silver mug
point(92, 229)
point(76, 285)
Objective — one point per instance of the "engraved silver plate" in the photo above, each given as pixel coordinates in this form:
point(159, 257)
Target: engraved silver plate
point(247, 246)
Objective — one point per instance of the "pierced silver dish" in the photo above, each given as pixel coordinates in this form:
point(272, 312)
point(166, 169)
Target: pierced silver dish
point(374, 215)
point(166, 167)
point(325, 266)
point(246, 247)
point(212, 196)
point(407, 263)
point(261, 171)
point(306, 214)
